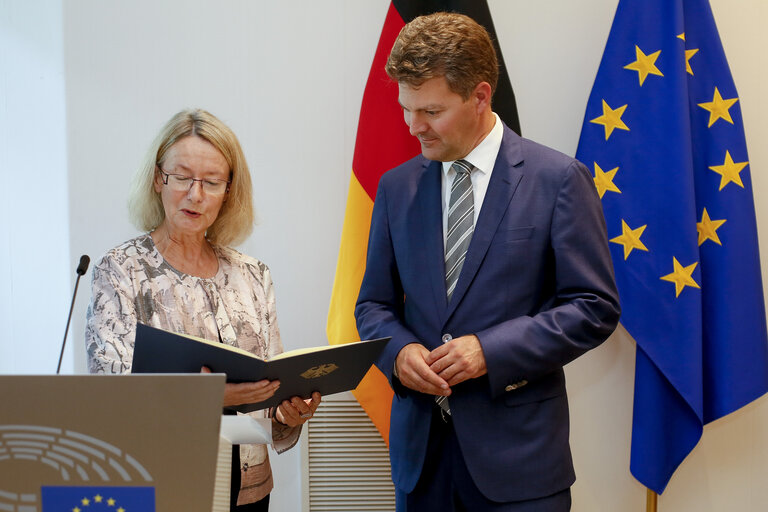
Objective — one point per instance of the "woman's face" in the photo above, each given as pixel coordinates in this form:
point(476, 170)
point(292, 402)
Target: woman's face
point(192, 212)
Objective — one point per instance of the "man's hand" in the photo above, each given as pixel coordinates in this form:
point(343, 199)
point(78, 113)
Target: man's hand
point(458, 360)
point(414, 372)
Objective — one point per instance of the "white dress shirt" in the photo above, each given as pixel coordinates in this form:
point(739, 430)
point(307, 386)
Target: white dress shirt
point(483, 158)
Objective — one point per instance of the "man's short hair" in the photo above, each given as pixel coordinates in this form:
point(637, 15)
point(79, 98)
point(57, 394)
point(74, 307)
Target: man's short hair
point(444, 44)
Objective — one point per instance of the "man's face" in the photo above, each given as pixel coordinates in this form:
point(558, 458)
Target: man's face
point(447, 126)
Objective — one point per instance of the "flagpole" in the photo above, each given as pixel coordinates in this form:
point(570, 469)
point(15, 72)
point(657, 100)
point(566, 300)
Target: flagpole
point(651, 499)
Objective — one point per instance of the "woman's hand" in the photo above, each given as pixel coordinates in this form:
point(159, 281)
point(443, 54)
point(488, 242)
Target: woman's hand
point(295, 412)
point(247, 392)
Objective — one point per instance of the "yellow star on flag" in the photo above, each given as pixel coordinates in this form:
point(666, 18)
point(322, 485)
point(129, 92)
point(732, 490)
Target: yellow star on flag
point(630, 238)
point(97, 498)
point(120, 509)
point(707, 228)
point(644, 65)
point(681, 276)
point(729, 171)
point(85, 501)
point(688, 54)
point(604, 180)
point(718, 108)
point(75, 509)
point(110, 502)
point(611, 119)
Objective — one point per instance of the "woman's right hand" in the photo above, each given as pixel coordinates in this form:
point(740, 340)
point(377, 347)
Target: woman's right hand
point(247, 392)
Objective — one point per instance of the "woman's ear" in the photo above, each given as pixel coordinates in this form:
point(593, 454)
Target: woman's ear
point(158, 182)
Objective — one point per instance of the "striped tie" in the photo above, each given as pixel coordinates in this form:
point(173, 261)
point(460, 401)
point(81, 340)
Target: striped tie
point(461, 220)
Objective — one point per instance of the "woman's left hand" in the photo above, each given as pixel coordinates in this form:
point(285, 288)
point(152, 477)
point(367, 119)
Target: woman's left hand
point(295, 412)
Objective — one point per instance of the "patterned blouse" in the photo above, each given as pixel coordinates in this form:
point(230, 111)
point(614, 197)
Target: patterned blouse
point(133, 282)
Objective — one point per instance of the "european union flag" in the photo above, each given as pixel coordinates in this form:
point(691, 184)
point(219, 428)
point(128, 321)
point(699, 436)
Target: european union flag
point(93, 499)
point(663, 133)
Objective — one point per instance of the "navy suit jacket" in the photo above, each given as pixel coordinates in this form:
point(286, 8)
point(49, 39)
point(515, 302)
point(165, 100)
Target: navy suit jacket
point(537, 288)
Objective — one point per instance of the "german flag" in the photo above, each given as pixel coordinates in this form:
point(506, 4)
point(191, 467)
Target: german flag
point(383, 142)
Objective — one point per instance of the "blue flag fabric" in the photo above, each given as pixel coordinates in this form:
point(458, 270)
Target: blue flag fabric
point(83, 498)
point(663, 134)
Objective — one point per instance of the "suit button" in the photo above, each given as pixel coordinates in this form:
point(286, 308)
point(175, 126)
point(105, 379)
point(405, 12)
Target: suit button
point(446, 338)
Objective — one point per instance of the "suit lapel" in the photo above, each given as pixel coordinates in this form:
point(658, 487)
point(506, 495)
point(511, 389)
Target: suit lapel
point(504, 181)
point(430, 227)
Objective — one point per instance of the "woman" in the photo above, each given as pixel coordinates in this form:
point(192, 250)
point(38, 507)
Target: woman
point(193, 196)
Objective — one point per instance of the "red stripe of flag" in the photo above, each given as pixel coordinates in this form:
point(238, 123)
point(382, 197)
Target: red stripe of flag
point(383, 140)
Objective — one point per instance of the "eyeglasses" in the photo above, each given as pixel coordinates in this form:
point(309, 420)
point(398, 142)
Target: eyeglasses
point(183, 183)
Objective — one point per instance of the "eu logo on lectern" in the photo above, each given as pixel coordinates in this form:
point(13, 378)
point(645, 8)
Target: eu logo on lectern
point(93, 499)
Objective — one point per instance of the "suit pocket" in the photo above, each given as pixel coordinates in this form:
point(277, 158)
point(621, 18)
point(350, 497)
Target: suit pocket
point(507, 236)
point(520, 397)
point(537, 391)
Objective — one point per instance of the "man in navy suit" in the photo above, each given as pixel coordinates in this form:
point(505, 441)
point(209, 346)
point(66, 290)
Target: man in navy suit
point(487, 317)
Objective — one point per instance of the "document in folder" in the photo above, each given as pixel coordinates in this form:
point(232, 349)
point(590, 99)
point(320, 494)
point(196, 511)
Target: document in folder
point(328, 369)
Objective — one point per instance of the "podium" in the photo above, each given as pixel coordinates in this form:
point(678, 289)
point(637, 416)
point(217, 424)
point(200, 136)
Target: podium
point(106, 442)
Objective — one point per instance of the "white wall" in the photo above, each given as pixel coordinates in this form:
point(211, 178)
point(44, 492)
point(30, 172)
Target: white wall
point(35, 271)
point(288, 77)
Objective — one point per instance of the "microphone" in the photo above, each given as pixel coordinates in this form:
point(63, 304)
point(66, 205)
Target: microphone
point(81, 268)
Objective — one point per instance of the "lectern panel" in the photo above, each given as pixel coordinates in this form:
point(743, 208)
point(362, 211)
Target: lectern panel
point(88, 441)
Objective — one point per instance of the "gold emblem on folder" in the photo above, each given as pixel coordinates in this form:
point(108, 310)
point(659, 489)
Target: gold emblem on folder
point(319, 371)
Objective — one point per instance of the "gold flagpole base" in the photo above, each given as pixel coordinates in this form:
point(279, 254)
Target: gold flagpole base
point(651, 501)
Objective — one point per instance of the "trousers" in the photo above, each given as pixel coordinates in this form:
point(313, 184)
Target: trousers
point(445, 484)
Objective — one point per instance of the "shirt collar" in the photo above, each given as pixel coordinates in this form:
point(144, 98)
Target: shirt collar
point(483, 157)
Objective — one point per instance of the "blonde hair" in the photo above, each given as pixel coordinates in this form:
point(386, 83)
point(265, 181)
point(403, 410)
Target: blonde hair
point(235, 220)
point(444, 44)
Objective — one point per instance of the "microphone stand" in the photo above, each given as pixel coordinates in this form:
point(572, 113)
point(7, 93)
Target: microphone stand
point(81, 268)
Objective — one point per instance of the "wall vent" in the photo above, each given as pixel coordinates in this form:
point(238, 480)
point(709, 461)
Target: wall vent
point(346, 460)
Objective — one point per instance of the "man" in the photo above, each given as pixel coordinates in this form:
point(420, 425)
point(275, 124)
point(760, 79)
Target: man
point(489, 275)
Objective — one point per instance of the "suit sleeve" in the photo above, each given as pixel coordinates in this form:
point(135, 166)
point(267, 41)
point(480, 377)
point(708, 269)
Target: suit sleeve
point(584, 309)
point(380, 304)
